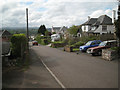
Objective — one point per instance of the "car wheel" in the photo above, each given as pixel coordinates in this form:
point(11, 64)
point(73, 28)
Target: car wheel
point(93, 54)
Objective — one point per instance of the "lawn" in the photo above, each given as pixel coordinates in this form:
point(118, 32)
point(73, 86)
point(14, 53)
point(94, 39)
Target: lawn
point(75, 49)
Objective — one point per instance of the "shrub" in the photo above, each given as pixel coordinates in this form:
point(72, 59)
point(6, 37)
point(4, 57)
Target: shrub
point(79, 44)
point(89, 38)
point(44, 40)
point(18, 44)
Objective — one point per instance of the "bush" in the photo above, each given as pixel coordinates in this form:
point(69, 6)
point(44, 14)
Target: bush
point(89, 38)
point(78, 44)
point(18, 44)
point(44, 40)
point(115, 48)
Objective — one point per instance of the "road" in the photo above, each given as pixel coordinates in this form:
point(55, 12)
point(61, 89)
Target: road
point(78, 71)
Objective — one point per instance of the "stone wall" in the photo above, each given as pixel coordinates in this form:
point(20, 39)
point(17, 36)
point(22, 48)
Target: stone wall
point(68, 48)
point(109, 54)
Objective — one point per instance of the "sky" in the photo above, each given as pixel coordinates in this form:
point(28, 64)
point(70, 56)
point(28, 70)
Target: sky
point(53, 12)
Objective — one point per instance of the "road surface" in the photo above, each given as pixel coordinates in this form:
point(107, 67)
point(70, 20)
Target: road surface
point(78, 71)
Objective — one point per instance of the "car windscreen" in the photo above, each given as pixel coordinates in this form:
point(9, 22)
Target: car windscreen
point(88, 43)
point(102, 44)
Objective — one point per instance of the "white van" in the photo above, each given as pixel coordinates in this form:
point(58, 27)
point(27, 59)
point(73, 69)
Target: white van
point(55, 37)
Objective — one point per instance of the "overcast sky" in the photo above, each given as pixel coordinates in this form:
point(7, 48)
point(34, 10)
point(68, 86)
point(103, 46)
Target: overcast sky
point(53, 12)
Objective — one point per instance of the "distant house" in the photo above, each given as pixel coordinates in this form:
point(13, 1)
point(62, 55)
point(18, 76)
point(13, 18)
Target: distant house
point(62, 30)
point(55, 29)
point(5, 35)
point(100, 25)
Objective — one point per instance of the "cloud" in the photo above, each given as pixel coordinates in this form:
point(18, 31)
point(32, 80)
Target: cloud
point(53, 12)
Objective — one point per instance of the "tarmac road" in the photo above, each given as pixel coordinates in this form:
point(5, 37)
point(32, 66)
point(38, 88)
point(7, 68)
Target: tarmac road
point(78, 71)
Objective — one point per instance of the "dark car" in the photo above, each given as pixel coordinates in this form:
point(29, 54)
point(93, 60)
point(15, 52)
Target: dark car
point(103, 45)
point(34, 43)
point(90, 44)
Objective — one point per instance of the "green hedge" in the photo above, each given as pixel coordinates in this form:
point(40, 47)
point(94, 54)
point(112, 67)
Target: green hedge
point(78, 44)
point(43, 40)
point(89, 38)
point(18, 44)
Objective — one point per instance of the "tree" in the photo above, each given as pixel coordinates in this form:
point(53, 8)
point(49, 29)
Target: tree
point(47, 33)
point(117, 25)
point(73, 30)
point(42, 29)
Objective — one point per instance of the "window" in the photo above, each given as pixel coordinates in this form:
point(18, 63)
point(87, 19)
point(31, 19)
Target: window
point(84, 28)
point(93, 43)
point(104, 28)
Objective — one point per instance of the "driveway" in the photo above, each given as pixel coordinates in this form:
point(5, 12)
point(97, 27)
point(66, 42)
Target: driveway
point(79, 71)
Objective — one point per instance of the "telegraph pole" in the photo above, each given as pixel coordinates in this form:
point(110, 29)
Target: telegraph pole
point(27, 35)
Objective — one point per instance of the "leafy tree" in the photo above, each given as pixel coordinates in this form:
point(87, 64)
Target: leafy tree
point(117, 25)
point(46, 33)
point(42, 29)
point(73, 30)
point(54, 33)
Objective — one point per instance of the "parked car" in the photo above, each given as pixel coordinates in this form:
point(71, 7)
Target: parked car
point(90, 44)
point(34, 43)
point(103, 45)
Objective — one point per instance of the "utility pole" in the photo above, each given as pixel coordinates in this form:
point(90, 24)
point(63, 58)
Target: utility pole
point(27, 35)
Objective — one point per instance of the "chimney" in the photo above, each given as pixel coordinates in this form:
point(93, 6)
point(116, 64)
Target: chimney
point(88, 17)
point(113, 16)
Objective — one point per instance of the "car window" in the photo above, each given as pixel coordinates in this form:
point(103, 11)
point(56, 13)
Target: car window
point(98, 42)
point(88, 43)
point(111, 44)
point(93, 43)
point(102, 44)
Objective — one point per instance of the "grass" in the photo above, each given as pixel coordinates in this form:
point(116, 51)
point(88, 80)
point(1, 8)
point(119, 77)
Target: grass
point(58, 42)
point(75, 49)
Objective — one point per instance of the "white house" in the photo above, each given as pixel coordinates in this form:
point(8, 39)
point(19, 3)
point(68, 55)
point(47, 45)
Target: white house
point(55, 29)
point(62, 30)
point(100, 25)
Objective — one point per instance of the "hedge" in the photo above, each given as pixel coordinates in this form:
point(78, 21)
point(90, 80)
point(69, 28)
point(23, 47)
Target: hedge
point(18, 44)
point(43, 40)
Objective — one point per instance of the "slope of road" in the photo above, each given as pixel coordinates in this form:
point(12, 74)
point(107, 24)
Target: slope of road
point(79, 71)
point(37, 75)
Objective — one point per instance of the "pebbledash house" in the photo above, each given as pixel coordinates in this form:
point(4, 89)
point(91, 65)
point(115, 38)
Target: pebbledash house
point(101, 25)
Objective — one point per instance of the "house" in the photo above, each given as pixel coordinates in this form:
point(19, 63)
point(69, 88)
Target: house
point(100, 25)
point(5, 35)
point(62, 30)
point(55, 29)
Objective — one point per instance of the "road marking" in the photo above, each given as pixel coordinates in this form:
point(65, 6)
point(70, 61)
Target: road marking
point(58, 81)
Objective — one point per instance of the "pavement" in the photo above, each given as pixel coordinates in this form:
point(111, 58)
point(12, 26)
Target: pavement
point(79, 71)
point(36, 76)
point(53, 68)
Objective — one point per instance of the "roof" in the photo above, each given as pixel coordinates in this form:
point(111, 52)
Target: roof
point(103, 20)
point(56, 28)
point(63, 28)
point(90, 21)
point(6, 33)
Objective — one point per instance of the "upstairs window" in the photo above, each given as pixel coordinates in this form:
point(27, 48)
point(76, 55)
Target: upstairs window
point(104, 28)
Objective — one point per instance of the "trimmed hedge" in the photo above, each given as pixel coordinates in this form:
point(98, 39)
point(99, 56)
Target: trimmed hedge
point(43, 40)
point(18, 44)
